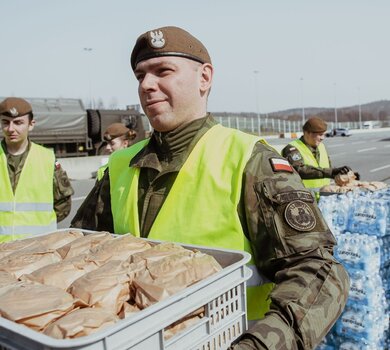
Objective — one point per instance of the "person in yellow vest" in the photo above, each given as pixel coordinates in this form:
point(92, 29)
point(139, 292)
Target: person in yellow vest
point(35, 192)
point(197, 182)
point(116, 136)
point(309, 157)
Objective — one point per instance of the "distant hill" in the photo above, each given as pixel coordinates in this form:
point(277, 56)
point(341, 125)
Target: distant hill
point(378, 110)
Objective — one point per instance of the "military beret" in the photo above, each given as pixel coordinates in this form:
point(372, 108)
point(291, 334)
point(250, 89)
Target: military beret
point(168, 41)
point(15, 107)
point(115, 130)
point(315, 124)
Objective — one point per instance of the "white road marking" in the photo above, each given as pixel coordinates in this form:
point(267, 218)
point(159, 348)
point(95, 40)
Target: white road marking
point(366, 149)
point(338, 145)
point(381, 168)
point(78, 198)
point(387, 146)
point(356, 143)
point(338, 154)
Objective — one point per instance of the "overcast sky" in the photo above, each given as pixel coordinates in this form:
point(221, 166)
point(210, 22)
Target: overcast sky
point(305, 52)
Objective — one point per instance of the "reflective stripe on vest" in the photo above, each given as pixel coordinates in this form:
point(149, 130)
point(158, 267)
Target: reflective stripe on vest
point(30, 210)
point(210, 178)
point(309, 159)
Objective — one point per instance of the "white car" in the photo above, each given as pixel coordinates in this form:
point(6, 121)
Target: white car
point(338, 132)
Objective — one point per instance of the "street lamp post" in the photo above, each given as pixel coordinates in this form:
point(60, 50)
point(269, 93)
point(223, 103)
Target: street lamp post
point(256, 72)
point(89, 50)
point(360, 110)
point(303, 106)
point(335, 106)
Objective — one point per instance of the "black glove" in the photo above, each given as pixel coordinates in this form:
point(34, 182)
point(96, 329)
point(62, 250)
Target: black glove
point(342, 170)
point(357, 175)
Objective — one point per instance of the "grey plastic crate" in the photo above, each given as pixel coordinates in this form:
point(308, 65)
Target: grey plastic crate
point(223, 295)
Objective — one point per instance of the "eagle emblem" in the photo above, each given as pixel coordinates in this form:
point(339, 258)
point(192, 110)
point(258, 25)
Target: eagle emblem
point(299, 216)
point(14, 112)
point(157, 39)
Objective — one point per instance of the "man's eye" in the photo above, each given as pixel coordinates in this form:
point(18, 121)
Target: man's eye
point(164, 71)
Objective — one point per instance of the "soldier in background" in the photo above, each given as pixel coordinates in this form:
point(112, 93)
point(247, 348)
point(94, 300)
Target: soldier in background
point(309, 157)
point(116, 136)
point(197, 182)
point(36, 192)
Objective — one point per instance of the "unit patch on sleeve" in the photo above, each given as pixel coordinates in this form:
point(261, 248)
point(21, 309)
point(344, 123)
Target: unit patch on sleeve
point(279, 164)
point(299, 216)
point(296, 156)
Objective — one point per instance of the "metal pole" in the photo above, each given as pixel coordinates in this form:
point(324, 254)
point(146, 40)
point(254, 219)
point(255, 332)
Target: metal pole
point(89, 50)
point(256, 72)
point(360, 110)
point(335, 106)
point(303, 106)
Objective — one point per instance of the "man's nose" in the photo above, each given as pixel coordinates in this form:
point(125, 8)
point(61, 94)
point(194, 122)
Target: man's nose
point(10, 127)
point(148, 82)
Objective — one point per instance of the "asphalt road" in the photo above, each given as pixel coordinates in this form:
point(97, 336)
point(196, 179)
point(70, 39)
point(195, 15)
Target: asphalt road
point(367, 153)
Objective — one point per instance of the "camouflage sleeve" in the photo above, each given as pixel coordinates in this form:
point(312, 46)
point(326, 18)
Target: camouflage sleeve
point(305, 171)
point(63, 192)
point(293, 247)
point(95, 212)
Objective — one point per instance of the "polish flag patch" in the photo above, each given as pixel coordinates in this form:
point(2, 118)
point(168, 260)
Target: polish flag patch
point(280, 165)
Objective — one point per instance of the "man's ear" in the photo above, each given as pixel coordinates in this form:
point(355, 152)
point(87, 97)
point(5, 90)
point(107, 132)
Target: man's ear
point(206, 77)
point(31, 124)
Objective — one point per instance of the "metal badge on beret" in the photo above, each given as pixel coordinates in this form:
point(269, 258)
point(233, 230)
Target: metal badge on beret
point(156, 39)
point(299, 216)
point(14, 112)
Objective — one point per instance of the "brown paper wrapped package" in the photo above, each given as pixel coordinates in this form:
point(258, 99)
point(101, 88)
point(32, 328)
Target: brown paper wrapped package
point(83, 245)
point(80, 323)
point(347, 182)
point(34, 305)
point(107, 287)
point(7, 278)
point(28, 260)
point(171, 274)
point(50, 241)
point(63, 273)
point(119, 248)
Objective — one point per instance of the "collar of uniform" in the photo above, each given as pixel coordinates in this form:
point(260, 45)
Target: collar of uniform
point(4, 145)
point(313, 150)
point(172, 146)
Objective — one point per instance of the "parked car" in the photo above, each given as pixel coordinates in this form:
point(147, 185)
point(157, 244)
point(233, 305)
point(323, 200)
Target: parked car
point(338, 132)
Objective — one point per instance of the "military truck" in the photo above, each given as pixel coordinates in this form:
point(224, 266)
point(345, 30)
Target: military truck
point(64, 125)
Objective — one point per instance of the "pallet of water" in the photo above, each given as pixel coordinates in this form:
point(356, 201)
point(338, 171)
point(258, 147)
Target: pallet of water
point(361, 224)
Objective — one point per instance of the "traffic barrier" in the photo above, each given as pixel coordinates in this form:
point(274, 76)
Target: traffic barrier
point(290, 135)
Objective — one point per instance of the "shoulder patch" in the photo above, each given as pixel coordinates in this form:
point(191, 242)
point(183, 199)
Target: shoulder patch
point(296, 156)
point(279, 164)
point(299, 216)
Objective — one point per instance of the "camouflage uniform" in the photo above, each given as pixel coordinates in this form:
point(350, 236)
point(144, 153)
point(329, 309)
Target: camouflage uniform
point(311, 286)
point(62, 189)
point(306, 171)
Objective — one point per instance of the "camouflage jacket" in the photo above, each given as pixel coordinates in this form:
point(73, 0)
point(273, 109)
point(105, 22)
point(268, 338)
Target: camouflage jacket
point(311, 286)
point(306, 171)
point(62, 189)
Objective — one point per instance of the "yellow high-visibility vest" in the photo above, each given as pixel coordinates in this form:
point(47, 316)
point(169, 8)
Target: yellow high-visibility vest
point(309, 159)
point(29, 210)
point(201, 207)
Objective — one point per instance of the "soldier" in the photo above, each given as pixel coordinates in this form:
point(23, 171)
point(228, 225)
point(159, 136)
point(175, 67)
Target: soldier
point(116, 136)
point(36, 192)
point(309, 157)
point(197, 182)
